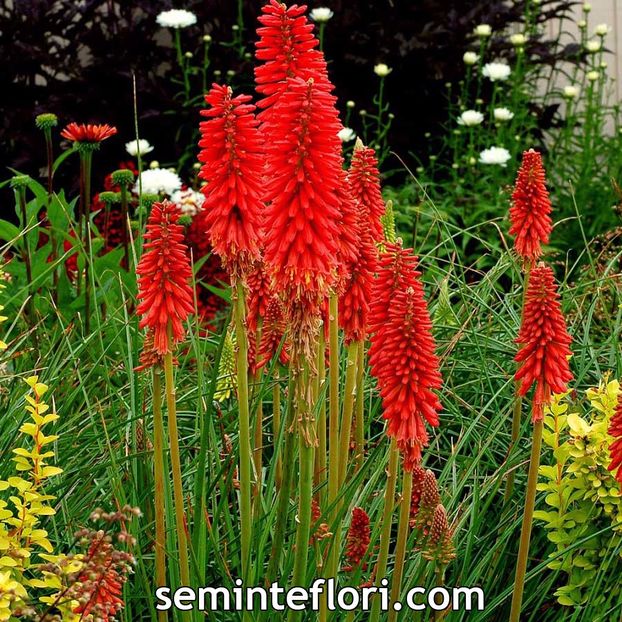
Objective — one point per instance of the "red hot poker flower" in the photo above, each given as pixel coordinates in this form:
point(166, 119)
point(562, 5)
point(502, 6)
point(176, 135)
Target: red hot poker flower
point(233, 163)
point(531, 208)
point(164, 272)
point(287, 47)
point(81, 133)
point(304, 165)
point(364, 180)
point(358, 539)
point(543, 357)
point(402, 355)
point(615, 449)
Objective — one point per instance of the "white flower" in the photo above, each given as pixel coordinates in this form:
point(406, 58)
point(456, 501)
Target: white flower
point(470, 118)
point(601, 30)
point(189, 201)
point(176, 18)
point(593, 46)
point(321, 15)
point(382, 70)
point(470, 58)
point(518, 39)
point(495, 155)
point(483, 30)
point(502, 114)
point(142, 145)
point(346, 134)
point(158, 180)
point(571, 91)
point(592, 76)
point(496, 71)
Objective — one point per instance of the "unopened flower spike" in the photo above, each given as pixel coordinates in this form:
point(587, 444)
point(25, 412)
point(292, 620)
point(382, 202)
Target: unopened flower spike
point(46, 121)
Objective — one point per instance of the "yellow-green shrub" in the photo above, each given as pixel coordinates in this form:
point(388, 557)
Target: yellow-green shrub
point(585, 516)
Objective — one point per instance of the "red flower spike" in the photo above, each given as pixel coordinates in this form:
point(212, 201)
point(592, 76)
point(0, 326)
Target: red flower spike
point(164, 271)
point(259, 294)
point(80, 133)
point(543, 357)
point(364, 180)
point(287, 47)
point(304, 175)
point(402, 355)
point(355, 299)
point(233, 165)
point(615, 449)
point(531, 208)
point(358, 539)
point(417, 488)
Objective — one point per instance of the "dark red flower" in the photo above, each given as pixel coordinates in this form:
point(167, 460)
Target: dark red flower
point(357, 543)
point(364, 180)
point(303, 179)
point(164, 271)
point(287, 49)
point(418, 474)
point(86, 133)
point(531, 208)
point(402, 353)
point(259, 294)
point(615, 449)
point(233, 165)
point(543, 357)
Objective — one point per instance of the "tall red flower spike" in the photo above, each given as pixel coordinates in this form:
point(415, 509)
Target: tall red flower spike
point(233, 165)
point(531, 208)
point(355, 298)
point(543, 357)
point(164, 272)
point(401, 355)
point(358, 539)
point(364, 181)
point(287, 49)
point(303, 178)
point(80, 133)
point(615, 449)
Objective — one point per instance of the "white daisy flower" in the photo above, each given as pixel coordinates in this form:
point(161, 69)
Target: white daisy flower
point(495, 155)
point(142, 145)
point(496, 71)
point(321, 15)
point(470, 58)
point(158, 181)
point(470, 118)
point(382, 70)
point(346, 134)
point(502, 114)
point(176, 18)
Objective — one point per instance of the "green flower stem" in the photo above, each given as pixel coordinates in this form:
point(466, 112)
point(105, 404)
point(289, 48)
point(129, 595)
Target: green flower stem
point(86, 160)
point(178, 493)
point(385, 534)
point(47, 132)
point(182, 64)
point(239, 310)
point(126, 225)
point(402, 537)
point(359, 426)
point(333, 399)
point(525, 536)
point(349, 398)
point(276, 427)
point(307, 441)
point(258, 429)
point(321, 419)
point(159, 478)
point(286, 484)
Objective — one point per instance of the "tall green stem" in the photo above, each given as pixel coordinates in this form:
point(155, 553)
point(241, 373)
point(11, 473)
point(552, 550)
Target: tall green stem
point(359, 428)
point(320, 458)
point(402, 537)
point(333, 399)
point(349, 397)
point(178, 494)
point(86, 159)
point(159, 478)
point(239, 310)
point(126, 224)
point(307, 441)
point(385, 535)
point(525, 536)
point(284, 492)
point(47, 132)
point(276, 427)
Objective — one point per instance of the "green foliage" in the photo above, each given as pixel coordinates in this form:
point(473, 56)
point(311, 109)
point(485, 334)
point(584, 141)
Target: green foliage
point(585, 519)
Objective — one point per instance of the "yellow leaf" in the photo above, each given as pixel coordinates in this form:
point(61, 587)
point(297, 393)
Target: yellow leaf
point(578, 426)
point(50, 471)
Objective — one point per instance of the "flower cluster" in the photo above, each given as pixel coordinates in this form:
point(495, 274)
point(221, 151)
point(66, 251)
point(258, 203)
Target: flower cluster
point(544, 339)
point(164, 272)
point(401, 355)
point(359, 535)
